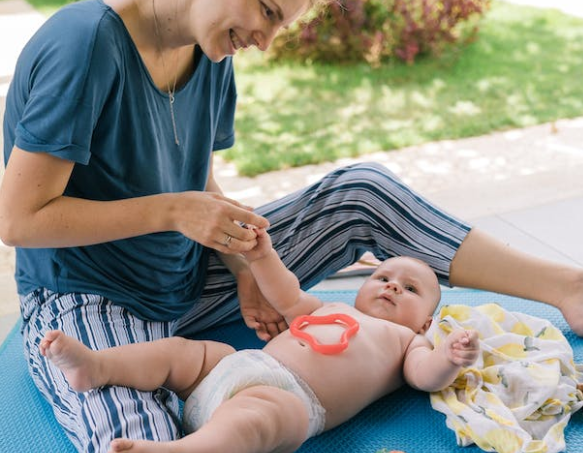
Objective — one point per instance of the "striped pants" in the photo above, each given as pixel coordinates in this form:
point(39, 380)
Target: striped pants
point(316, 231)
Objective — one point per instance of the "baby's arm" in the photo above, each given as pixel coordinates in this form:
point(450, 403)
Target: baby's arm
point(431, 369)
point(277, 283)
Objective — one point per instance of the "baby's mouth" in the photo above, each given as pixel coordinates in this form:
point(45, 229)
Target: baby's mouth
point(388, 298)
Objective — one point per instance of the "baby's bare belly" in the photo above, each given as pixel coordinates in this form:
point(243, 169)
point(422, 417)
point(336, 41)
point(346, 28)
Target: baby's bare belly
point(347, 382)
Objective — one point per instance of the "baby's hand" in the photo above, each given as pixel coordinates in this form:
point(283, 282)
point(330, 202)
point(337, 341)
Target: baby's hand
point(263, 246)
point(462, 347)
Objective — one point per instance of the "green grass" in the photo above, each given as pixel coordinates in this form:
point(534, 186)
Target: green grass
point(48, 7)
point(525, 68)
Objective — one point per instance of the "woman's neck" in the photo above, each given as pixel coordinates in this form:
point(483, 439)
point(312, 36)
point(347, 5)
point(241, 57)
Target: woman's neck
point(154, 26)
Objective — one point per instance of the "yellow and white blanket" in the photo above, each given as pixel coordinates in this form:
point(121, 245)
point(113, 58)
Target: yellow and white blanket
point(520, 393)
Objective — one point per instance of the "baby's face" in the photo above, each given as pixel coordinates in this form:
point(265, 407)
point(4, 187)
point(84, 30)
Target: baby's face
point(402, 290)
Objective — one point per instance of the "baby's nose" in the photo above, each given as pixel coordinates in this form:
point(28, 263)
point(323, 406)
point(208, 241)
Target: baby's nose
point(395, 287)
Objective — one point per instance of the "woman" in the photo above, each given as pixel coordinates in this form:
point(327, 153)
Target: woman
point(123, 235)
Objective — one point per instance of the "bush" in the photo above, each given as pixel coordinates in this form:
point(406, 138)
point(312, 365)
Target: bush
point(350, 31)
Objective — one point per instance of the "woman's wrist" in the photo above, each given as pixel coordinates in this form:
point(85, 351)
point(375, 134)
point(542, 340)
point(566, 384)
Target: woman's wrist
point(169, 212)
point(237, 265)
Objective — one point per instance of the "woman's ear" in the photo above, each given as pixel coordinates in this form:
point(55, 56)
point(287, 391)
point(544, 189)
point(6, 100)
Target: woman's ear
point(425, 326)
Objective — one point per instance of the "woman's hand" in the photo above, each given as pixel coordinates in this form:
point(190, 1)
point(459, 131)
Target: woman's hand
point(257, 312)
point(216, 221)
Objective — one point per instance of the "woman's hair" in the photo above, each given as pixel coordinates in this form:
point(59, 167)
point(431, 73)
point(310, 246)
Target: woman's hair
point(319, 5)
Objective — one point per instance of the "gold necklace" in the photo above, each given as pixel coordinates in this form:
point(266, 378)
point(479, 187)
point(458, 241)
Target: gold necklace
point(171, 91)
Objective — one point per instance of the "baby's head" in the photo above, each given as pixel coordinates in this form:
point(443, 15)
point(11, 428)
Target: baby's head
point(403, 290)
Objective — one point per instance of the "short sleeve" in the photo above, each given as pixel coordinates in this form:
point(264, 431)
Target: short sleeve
point(64, 76)
point(225, 132)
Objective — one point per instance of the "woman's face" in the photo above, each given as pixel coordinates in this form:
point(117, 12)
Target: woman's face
point(229, 25)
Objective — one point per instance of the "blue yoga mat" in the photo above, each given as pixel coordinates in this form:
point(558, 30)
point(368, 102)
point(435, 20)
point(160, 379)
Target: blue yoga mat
point(403, 420)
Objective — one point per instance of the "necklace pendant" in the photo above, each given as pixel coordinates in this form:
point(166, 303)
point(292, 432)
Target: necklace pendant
point(174, 128)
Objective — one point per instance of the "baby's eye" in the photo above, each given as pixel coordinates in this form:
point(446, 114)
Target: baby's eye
point(410, 288)
point(383, 279)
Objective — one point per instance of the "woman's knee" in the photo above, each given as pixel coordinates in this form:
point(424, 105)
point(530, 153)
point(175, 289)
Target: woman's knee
point(369, 171)
point(367, 177)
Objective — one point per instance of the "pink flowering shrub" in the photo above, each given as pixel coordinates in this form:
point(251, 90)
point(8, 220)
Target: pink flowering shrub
point(348, 31)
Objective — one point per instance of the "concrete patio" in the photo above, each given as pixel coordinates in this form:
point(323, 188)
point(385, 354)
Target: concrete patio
point(524, 186)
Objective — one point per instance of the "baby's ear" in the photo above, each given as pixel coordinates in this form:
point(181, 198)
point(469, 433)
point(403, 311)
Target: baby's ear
point(425, 326)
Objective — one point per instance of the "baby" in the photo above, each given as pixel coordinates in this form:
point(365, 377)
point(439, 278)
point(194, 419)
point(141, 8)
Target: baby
point(333, 361)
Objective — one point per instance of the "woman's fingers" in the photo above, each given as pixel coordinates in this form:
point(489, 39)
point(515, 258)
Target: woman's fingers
point(229, 245)
point(218, 222)
point(235, 238)
point(236, 235)
point(246, 216)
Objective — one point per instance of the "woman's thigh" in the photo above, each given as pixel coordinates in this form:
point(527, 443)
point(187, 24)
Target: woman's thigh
point(363, 207)
point(329, 225)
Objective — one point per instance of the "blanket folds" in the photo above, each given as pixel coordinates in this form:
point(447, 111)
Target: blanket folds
point(520, 393)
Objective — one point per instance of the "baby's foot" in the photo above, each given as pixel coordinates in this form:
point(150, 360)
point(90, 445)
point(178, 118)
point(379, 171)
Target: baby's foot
point(72, 357)
point(137, 446)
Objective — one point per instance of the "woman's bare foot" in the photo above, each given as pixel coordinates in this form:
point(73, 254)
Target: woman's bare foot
point(73, 358)
point(572, 305)
point(573, 313)
point(138, 446)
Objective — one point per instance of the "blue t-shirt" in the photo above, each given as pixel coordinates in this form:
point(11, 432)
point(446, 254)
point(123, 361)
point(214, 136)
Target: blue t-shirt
point(81, 92)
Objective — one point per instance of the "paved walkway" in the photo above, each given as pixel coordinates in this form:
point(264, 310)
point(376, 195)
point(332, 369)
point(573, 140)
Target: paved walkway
point(524, 186)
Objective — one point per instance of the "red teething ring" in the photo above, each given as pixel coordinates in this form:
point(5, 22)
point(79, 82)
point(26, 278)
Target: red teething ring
point(336, 318)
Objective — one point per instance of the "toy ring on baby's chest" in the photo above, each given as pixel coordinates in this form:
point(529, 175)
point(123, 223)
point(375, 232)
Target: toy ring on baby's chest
point(301, 322)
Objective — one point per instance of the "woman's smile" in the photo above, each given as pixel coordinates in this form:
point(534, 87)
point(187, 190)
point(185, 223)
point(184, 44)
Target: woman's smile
point(236, 42)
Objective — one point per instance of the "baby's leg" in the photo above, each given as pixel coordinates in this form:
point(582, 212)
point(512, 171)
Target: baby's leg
point(256, 420)
point(92, 419)
point(175, 363)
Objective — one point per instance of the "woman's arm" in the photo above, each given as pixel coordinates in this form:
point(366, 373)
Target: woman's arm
point(429, 369)
point(279, 285)
point(35, 213)
point(257, 312)
point(235, 228)
point(264, 277)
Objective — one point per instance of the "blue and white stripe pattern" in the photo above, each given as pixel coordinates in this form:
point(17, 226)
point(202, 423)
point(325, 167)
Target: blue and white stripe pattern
point(93, 419)
point(316, 231)
point(329, 225)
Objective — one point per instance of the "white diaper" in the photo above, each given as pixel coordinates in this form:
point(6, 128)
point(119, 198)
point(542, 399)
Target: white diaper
point(242, 370)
